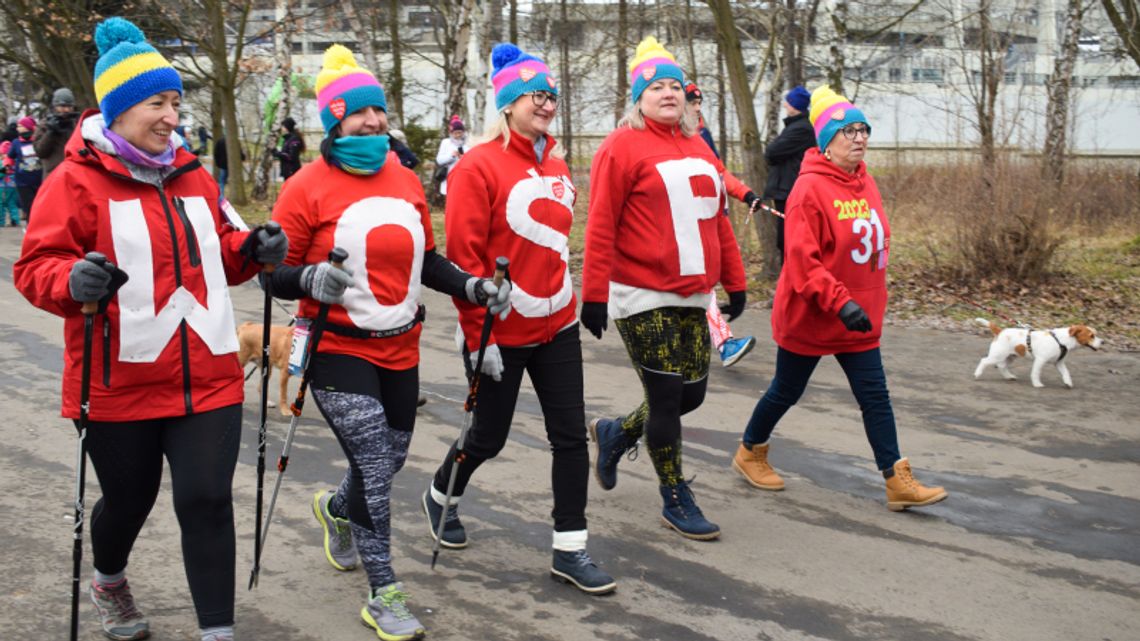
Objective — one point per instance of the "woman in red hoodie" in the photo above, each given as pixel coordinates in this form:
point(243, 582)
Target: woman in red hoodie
point(657, 243)
point(512, 196)
point(831, 298)
point(166, 383)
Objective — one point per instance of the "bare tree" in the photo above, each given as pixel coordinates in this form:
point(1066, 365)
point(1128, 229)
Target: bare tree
point(453, 33)
point(1058, 88)
point(838, 62)
point(361, 23)
point(991, 52)
point(621, 87)
point(395, 89)
point(564, 88)
point(282, 62)
point(1125, 18)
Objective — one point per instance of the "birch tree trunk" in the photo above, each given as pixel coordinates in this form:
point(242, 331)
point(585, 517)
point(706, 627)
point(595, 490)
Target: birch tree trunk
point(1058, 88)
point(283, 45)
point(621, 87)
point(395, 88)
point(837, 62)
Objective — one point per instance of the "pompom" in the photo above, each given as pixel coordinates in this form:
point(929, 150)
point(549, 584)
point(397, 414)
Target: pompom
point(338, 57)
point(647, 46)
point(504, 54)
point(112, 31)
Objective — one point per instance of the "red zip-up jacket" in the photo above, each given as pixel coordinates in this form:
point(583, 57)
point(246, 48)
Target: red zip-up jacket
point(837, 241)
point(166, 345)
point(507, 203)
point(664, 192)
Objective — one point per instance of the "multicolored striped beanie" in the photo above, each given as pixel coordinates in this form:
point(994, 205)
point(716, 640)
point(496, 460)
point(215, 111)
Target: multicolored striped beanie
point(514, 73)
point(831, 112)
point(651, 62)
point(344, 87)
point(129, 70)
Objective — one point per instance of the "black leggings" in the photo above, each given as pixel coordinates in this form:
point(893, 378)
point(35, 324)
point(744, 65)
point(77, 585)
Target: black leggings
point(202, 450)
point(555, 370)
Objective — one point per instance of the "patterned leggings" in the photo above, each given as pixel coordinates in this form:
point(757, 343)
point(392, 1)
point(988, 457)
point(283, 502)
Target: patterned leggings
point(372, 412)
point(669, 347)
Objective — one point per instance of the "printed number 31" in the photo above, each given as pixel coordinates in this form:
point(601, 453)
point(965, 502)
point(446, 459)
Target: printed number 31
point(869, 229)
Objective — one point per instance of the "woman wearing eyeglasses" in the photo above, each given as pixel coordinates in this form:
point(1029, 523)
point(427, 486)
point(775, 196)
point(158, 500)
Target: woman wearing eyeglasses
point(831, 298)
point(512, 196)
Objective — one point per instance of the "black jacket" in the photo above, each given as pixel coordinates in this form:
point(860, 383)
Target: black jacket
point(290, 154)
point(784, 155)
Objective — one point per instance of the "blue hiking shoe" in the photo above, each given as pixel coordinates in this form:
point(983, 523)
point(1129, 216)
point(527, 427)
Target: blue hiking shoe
point(610, 443)
point(682, 514)
point(734, 349)
point(454, 534)
point(579, 570)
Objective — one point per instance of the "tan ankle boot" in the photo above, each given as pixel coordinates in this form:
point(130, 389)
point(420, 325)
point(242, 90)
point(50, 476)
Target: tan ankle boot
point(753, 466)
point(904, 491)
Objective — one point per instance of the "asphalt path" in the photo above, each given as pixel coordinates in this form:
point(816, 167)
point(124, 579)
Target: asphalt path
point(1039, 539)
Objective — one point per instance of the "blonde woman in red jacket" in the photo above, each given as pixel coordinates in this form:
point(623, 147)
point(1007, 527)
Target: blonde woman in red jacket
point(165, 381)
point(831, 298)
point(657, 243)
point(512, 196)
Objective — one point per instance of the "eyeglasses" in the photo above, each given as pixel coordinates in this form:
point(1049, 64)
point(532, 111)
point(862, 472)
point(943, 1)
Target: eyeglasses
point(850, 132)
point(540, 98)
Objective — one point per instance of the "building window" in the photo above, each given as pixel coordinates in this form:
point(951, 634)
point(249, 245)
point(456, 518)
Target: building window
point(895, 75)
point(926, 74)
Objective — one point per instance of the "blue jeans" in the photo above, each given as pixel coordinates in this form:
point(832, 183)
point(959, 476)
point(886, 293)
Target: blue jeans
point(222, 175)
point(868, 382)
point(9, 205)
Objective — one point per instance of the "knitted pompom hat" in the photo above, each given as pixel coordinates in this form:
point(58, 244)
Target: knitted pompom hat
point(515, 73)
point(651, 62)
point(344, 87)
point(456, 124)
point(129, 70)
point(831, 112)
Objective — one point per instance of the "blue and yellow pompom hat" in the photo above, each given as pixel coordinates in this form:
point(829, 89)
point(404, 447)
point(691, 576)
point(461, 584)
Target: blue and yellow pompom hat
point(344, 87)
point(831, 112)
point(651, 62)
point(129, 70)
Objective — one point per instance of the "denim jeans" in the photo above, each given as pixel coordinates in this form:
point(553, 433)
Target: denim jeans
point(868, 382)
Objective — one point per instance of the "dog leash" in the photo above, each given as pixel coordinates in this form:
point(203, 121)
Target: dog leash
point(991, 310)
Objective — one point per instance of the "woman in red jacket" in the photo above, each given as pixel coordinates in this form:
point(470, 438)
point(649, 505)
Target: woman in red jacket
point(512, 196)
point(167, 381)
point(831, 298)
point(657, 243)
point(359, 197)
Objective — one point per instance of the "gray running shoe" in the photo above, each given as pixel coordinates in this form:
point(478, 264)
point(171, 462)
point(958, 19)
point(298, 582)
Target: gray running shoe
point(579, 569)
point(120, 619)
point(387, 613)
point(339, 547)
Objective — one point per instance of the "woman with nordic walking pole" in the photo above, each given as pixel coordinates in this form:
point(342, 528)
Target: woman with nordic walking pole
point(831, 298)
point(166, 381)
point(365, 375)
point(657, 243)
point(512, 196)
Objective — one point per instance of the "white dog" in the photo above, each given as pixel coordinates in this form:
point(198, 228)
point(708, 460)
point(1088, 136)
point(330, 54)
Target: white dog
point(1045, 346)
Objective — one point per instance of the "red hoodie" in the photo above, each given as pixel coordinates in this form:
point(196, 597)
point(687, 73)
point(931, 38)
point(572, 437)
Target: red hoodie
point(507, 203)
point(837, 241)
point(170, 347)
point(656, 217)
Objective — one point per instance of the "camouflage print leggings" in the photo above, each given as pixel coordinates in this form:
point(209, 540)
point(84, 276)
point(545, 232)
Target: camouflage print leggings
point(669, 347)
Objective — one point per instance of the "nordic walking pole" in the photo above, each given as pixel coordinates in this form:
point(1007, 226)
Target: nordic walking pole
point(272, 228)
point(337, 257)
point(501, 265)
point(89, 309)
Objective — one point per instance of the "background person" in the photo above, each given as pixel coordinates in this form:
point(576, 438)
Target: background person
point(730, 349)
point(366, 373)
point(166, 383)
point(450, 151)
point(785, 153)
point(9, 199)
point(831, 298)
point(53, 132)
point(28, 171)
point(512, 196)
point(655, 183)
point(291, 149)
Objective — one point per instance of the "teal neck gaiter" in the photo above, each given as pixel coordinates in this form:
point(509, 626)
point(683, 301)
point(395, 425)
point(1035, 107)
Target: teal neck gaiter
point(360, 155)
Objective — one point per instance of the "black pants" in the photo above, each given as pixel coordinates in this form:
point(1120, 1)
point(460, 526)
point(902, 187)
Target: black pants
point(780, 204)
point(27, 197)
point(555, 370)
point(202, 450)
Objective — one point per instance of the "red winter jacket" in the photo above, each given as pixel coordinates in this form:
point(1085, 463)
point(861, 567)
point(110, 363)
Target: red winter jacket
point(837, 241)
point(507, 203)
point(656, 216)
point(169, 347)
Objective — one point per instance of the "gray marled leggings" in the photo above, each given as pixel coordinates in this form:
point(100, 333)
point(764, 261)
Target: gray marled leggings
point(376, 445)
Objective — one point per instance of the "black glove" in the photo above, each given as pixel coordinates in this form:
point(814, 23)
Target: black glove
point(594, 317)
point(89, 281)
point(750, 198)
point(854, 318)
point(264, 247)
point(735, 306)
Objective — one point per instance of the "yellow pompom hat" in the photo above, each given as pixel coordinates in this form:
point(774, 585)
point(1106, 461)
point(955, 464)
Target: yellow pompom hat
point(344, 87)
point(831, 112)
point(651, 62)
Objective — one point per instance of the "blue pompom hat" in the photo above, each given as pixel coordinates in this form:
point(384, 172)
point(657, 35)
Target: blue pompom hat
point(515, 73)
point(129, 70)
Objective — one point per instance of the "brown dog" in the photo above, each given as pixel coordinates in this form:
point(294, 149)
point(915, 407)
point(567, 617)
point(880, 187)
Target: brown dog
point(280, 344)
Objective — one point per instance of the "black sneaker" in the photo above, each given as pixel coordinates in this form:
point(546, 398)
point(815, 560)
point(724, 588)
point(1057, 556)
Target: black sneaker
point(610, 444)
point(578, 569)
point(454, 536)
